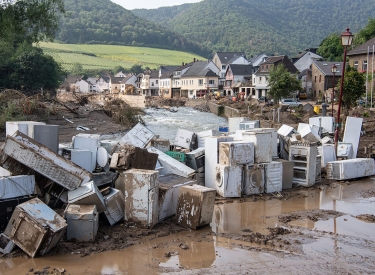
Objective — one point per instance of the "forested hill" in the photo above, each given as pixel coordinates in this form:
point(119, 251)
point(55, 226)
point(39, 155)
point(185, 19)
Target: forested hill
point(104, 22)
point(256, 26)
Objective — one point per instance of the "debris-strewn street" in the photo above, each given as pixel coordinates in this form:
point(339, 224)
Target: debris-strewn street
point(90, 189)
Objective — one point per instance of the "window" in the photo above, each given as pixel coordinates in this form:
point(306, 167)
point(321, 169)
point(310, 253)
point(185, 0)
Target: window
point(211, 82)
point(355, 65)
point(262, 68)
point(315, 79)
point(267, 67)
point(200, 82)
point(152, 83)
point(254, 80)
point(364, 65)
point(320, 78)
point(223, 67)
point(260, 80)
point(157, 82)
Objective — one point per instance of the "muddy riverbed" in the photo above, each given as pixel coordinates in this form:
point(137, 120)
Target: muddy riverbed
point(325, 229)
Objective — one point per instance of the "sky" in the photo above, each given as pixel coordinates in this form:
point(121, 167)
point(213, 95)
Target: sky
point(151, 4)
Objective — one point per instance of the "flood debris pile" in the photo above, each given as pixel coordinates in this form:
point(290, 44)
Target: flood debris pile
point(54, 191)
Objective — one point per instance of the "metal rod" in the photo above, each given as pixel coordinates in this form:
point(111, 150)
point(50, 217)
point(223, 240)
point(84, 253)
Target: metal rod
point(340, 99)
point(333, 91)
point(368, 53)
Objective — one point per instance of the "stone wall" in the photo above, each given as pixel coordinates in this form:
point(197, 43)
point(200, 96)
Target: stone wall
point(138, 101)
point(220, 110)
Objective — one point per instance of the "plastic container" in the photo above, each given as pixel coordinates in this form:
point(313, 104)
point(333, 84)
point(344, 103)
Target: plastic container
point(224, 129)
point(317, 109)
point(177, 156)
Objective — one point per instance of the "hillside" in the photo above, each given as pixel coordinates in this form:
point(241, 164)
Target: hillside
point(98, 57)
point(104, 22)
point(256, 26)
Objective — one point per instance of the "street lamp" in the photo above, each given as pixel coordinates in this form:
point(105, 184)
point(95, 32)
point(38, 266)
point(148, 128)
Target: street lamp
point(334, 70)
point(346, 40)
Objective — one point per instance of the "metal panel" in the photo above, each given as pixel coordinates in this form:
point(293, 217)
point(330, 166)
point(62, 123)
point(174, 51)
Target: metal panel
point(171, 165)
point(273, 177)
point(345, 150)
point(87, 194)
point(161, 144)
point(212, 159)
point(201, 136)
point(195, 159)
point(42, 160)
point(115, 206)
point(4, 172)
point(352, 133)
point(35, 227)
point(138, 136)
point(229, 181)
point(326, 122)
point(287, 180)
point(236, 153)
point(109, 145)
point(286, 131)
point(83, 222)
point(89, 142)
point(81, 157)
point(234, 123)
point(350, 168)
point(16, 186)
point(183, 138)
point(327, 152)
point(140, 188)
point(195, 206)
point(254, 179)
point(48, 135)
point(6, 245)
point(262, 145)
point(169, 187)
point(304, 158)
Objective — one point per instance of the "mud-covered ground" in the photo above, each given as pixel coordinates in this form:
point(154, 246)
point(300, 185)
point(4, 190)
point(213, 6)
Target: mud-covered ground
point(296, 233)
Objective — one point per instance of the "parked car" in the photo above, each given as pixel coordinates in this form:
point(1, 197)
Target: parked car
point(291, 102)
point(361, 101)
point(263, 99)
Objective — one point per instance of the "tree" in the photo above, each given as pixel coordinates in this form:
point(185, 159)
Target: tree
point(331, 48)
point(354, 87)
point(23, 65)
point(282, 83)
point(365, 34)
point(136, 69)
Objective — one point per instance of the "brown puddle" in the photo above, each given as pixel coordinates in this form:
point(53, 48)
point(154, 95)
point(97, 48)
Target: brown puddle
point(187, 253)
point(256, 216)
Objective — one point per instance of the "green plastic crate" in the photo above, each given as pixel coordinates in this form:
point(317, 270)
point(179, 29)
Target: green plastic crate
point(177, 155)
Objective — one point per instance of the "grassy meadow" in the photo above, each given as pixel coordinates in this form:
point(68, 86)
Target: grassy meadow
point(97, 57)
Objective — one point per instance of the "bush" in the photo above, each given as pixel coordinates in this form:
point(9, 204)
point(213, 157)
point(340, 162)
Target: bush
point(365, 114)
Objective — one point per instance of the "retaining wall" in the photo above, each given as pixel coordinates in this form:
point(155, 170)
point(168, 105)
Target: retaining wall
point(220, 110)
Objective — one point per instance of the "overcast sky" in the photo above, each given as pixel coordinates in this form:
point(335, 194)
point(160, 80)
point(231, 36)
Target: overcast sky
point(151, 4)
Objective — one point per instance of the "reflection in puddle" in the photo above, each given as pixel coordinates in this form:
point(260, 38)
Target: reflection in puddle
point(258, 215)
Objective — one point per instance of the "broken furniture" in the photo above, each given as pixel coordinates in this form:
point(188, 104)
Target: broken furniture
point(247, 124)
point(195, 160)
point(35, 228)
point(169, 187)
point(81, 157)
point(83, 222)
point(345, 150)
point(141, 193)
point(6, 245)
point(183, 138)
point(350, 168)
point(287, 179)
point(195, 206)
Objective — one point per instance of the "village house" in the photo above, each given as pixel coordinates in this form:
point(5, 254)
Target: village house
point(150, 83)
point(222, 59)
point(260, 77)
point(102, 84)
point(115, 84)
point(127, 81)
point(238, 78)
point(322, 78)
point(86, 86)
point(165, 80)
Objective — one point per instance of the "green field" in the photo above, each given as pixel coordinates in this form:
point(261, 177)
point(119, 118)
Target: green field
point(109, 56)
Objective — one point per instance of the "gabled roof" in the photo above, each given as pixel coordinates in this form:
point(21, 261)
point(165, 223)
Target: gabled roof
point(72, 79)
point(154, 74)
point(238, 69)
point(225, 57)
point(363, 48)
point(116, 79)
point(326, 67)
point(257, 59)
point(105, 78)
point(199, 68)
point(126, 78)
point(276, 60)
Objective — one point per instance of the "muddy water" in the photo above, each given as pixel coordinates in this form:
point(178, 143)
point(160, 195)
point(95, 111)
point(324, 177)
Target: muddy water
point(223, 255)
point(166, 123)
point(258, 215)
